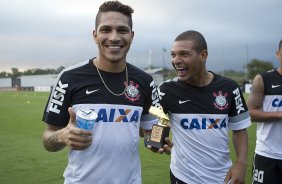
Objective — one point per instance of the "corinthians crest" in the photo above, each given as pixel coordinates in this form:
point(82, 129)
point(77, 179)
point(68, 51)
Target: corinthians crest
point(220, 100)
point(132, 93)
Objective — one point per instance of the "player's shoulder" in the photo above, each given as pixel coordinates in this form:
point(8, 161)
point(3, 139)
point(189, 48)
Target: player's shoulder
point(137, 72)
point(169, 83)
point(266, 77)
point(224, 80)
point(268, 73)
point(75, 67)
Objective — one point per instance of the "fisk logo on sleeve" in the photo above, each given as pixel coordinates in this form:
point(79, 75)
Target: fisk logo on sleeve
point(238, 101)
point(155, 96)
point(57, 97)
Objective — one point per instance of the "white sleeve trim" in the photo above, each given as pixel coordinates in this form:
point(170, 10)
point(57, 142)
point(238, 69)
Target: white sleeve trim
point(147, 121)
point(240, 125)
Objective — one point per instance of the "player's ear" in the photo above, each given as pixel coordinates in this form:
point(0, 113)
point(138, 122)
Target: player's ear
point(132, 36)
point(94, 33)
point(204, 55)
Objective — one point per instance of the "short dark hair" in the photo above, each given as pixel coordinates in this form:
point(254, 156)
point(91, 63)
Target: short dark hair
point(117, 7)
point(280, 44)
point(199, 42)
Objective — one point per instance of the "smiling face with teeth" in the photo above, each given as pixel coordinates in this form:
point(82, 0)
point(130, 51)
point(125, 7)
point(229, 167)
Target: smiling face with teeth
point(113, 37)
point(189, 64)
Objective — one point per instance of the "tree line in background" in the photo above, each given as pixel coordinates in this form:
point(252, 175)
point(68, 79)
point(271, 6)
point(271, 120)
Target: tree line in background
point(252, 68)
point(35, 71)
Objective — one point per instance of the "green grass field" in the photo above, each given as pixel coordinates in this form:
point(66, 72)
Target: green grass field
point(23, 159)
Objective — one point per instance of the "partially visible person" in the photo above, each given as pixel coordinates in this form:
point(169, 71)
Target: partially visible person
point(120, 94)
point(265, 106)
point(202, 107)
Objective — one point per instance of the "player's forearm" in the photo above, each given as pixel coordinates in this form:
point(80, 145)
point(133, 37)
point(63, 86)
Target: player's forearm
point(51, 141)
point(261, 116)
point(240, 142)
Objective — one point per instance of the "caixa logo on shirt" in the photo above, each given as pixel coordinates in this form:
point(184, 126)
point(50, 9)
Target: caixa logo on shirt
point(203, 123)
point(118, 115)
point(277, 102)
point(57, 98)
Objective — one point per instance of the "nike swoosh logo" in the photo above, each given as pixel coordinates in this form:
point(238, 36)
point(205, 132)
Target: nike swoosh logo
point(184, 101)
point(89, 92)
point(275, 86)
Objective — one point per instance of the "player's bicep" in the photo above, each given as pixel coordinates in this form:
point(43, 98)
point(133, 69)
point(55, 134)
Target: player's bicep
point(256, 97)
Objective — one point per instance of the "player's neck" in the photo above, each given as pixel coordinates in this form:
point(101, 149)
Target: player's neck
point(202, 80)
point(279, 70)
point(109, 66)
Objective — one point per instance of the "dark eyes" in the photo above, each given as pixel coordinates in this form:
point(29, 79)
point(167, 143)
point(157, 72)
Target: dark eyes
point(105, 30)
point(183, 54)
point(123, 30)
point(119, 30)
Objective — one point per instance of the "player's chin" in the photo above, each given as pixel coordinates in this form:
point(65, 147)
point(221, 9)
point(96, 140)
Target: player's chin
point(115, 58)
point(182, 77)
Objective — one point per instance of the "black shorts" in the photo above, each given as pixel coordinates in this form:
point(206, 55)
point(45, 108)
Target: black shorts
point(174, 180)
point(266, 170)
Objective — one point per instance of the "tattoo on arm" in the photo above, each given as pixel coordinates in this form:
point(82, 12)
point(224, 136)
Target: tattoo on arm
point(256, 97)
point(54, 144)
point(51, 141)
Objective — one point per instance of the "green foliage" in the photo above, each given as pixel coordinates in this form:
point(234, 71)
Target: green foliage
point(15, 72)
point(35, 71)
point(5, 75)
point(257, 66)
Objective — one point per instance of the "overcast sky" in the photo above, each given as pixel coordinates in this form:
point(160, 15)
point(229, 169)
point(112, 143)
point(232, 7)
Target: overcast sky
point(53, 33)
